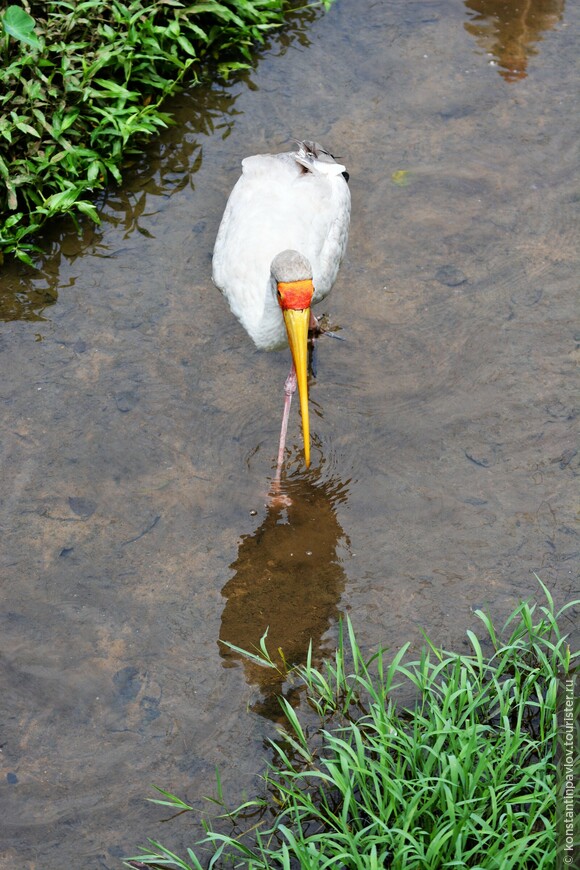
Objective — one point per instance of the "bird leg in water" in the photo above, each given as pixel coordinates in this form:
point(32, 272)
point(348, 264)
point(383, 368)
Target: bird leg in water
point(289, 390)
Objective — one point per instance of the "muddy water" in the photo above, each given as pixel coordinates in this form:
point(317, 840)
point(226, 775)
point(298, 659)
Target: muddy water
point(139, 425)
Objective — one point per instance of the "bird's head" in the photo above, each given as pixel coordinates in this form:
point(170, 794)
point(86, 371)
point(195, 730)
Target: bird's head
point(292, 274)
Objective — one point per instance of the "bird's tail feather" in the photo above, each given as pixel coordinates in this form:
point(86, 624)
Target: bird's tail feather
point(314, 158)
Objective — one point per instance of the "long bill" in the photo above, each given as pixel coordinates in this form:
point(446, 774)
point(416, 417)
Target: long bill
point(297, 322)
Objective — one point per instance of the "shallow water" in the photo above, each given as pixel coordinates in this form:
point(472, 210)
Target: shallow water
point(139, 425)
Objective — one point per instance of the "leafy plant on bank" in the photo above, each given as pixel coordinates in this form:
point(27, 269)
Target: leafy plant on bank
point(82, 84)
point(465, 777)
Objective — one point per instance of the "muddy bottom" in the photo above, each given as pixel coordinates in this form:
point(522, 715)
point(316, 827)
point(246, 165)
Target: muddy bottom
point(139, 425)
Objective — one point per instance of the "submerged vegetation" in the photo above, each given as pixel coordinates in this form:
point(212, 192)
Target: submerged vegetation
point(465, 776)
point(83, 82)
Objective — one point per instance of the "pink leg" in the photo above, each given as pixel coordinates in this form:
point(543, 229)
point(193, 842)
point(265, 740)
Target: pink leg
point(289, 390)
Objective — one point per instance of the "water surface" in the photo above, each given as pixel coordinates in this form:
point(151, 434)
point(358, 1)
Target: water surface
point(139, 425)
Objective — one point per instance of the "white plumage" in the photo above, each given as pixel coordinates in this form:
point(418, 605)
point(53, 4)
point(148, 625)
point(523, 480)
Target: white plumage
point(278, 249)
point(297, 200)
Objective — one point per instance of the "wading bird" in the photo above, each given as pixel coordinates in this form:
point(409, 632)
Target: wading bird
point(280, 243)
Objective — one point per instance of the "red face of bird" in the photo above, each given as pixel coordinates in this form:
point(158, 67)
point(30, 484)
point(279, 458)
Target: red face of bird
point(295, 298)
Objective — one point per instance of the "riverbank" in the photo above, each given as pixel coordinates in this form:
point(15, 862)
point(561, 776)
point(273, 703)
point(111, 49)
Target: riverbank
point(467, 776)
point(84, 86)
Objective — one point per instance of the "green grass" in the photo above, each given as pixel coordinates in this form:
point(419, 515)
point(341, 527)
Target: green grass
point(464, 777)
point(83, 84)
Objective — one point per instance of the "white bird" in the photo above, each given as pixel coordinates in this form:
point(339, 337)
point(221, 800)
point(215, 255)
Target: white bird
point(277, 252)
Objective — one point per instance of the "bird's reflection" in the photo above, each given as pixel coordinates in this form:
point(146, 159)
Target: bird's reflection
point(288, 578)
point(509, 30)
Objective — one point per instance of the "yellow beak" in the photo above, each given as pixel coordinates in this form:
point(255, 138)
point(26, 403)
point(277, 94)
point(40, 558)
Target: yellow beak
point(297, 323)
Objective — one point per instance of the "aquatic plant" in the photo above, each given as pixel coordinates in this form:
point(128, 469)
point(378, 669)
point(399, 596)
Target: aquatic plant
point(82, 85)
point(464, 777)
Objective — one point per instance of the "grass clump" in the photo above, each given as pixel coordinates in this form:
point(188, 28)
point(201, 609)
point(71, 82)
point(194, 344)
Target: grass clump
point(82, 83)
point(464, 777)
